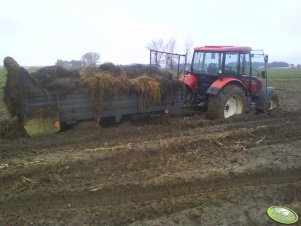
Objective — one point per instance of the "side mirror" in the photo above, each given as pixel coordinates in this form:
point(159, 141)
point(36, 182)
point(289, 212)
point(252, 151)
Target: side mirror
point(263, 74)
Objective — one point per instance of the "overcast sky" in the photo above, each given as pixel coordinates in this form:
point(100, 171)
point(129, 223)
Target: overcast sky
point(37, 32)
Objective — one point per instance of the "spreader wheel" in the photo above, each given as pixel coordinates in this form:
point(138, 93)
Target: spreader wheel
point(42, 121)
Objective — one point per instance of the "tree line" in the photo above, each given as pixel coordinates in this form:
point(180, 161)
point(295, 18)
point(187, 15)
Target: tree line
point(89, 59)
point(278, 64)
point(164, 60)
point(272, 64)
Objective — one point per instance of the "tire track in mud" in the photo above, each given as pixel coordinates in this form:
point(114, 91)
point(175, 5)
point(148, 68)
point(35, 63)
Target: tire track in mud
point(119, 197)
point(150, 153)
point(125, 160)
point(284, 124)
point(128, 133)
point(140, 197)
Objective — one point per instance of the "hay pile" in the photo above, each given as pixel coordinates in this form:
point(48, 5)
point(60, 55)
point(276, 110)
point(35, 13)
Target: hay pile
point(149, 91)
point(107, 84)
point(112, 69)
point(168, 87)
point(135, 70)
point(57, 79)
point(107, 81)
point(101, 84)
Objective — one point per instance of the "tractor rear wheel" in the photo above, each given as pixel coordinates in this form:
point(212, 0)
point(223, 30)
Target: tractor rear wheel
point(230, 101)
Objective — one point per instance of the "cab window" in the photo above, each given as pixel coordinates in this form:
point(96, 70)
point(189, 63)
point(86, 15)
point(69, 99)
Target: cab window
point(231, 63)
point(207, 63)
point(245, 64)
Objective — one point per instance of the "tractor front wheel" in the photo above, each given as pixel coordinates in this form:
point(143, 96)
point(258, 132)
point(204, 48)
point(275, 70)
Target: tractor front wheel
point(272, 102)
point(230, 101)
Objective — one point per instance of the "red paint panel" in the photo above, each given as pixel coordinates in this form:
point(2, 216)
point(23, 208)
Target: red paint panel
point(220, 83)
point(255, 84)
point(224, 48)
point(191, 81)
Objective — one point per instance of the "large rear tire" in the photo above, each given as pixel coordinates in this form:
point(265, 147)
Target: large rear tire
point(230, 101)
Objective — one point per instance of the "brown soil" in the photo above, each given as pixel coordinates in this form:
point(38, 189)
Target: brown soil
point(164, 171)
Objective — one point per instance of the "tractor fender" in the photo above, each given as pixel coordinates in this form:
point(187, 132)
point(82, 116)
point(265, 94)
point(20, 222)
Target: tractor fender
point(262, 98)
point(191, 81)
point(219, 84)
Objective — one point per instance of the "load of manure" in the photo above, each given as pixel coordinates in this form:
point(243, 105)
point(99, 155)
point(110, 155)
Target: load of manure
point(149, 91)
point(100, 84)
point(107, 81)
point(57, 79)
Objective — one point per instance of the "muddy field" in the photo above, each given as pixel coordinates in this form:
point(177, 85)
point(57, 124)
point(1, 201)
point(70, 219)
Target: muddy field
point(164, 171)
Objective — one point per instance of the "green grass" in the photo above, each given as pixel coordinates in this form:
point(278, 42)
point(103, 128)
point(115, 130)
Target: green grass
point(3, 74)
point(2, 77)
point(284, 75)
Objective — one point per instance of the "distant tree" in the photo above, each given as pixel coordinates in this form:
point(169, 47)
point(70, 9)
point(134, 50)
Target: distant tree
point(257, 65)
point(279, 64)
point(158, 45)
point(63, 63)
point(90, 59)
point(171, 45)
point(76, 64)
point(60, 63)
point(164, 59)
point(170, 48)
point(73, 64)
point(189, 50)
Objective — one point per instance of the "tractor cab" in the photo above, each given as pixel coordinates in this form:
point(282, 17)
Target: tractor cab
point(215, 68)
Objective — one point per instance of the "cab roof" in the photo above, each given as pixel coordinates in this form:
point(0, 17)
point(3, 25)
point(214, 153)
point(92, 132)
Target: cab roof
point(224, 48)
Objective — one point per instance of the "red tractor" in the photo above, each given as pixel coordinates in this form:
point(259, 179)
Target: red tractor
point(228, 80)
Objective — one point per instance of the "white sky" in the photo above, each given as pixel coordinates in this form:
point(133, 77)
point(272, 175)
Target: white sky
point(38, 32)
